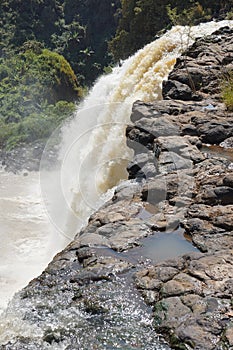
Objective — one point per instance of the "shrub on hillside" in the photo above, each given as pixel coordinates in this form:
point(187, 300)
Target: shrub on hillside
point(38, 89)
point(227, 90)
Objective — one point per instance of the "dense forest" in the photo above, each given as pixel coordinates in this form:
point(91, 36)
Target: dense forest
point(51, 52)
point(142, 20)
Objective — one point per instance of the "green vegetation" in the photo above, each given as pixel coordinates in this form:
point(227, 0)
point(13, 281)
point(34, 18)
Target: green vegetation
point(51, 52)
point(142, 20)
point(37, 126)
point(190, 16)
point(77, 29)
point(37, 91)
point(139, 23)
point(227, 90)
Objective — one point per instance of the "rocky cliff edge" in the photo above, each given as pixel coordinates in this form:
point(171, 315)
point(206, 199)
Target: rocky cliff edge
point(180, 180)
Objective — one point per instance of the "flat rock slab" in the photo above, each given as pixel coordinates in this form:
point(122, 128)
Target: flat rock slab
point(192, 299)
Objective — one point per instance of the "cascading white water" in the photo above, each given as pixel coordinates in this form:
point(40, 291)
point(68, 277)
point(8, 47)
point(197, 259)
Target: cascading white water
point(25, 231)
point(94, 154)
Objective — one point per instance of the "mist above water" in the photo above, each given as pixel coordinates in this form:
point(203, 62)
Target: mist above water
point(25, 233)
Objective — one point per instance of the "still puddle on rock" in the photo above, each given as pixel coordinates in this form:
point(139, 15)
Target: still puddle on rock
point(161, 246)
point(218, 151)
point(148, 211)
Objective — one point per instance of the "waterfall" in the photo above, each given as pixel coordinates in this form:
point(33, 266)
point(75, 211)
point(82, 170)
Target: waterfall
point(92, 160)
point(94, 155)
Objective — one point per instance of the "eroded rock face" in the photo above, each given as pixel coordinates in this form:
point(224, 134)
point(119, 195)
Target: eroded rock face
point(192, 299)
point(199, 70)
point(190, 296)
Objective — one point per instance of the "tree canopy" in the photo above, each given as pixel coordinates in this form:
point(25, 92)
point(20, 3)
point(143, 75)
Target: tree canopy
point(52, 50)
point(77, 29)
point(142, 20)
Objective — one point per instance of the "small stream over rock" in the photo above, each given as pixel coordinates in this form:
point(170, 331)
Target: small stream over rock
point(108, 314)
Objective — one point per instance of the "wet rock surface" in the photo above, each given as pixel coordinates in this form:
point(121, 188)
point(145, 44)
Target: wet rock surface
point(191, 296)
point(172, 184)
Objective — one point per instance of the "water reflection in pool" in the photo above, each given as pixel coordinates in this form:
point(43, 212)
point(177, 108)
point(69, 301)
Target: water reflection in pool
point(163, 245)
point(218, 151)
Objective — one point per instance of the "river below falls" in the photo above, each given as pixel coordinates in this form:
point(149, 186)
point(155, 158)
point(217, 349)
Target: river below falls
point(27, 236)
point(28, 243)
point(29, 239)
